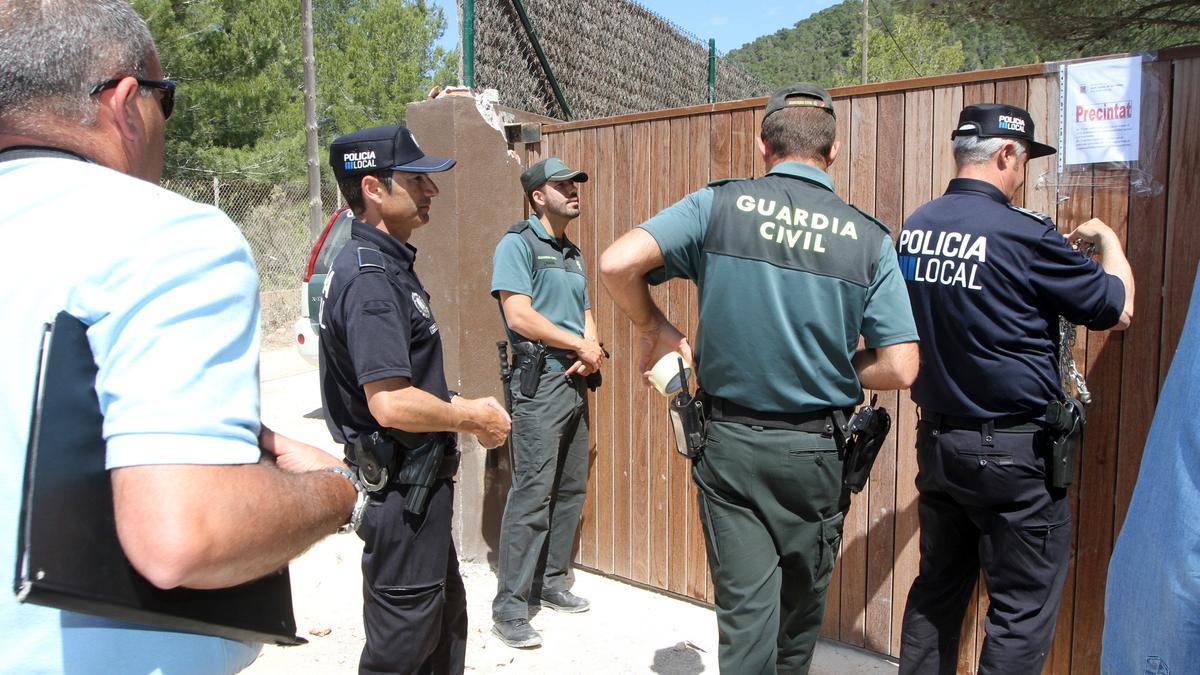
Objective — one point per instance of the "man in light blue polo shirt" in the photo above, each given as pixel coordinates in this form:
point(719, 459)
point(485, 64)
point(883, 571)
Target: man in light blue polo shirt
point(169, 292)
point(538, 277)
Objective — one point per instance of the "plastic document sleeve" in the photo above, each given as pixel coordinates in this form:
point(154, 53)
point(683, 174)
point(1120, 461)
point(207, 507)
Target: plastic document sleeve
point(68, 555)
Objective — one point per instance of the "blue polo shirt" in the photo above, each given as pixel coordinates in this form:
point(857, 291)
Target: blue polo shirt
point(559, 293)
point(987, 282)
point(789, 278)
point(170, 293)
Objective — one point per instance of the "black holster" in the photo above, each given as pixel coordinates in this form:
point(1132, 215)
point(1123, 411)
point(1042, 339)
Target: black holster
point(594, 381)
point(530, 357)
point(859, 440)
point(416, 461)
point(424, 465)
point(689, 422)
point(1063, 435)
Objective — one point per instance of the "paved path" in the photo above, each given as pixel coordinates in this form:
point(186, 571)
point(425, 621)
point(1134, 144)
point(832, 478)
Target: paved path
point(629, 629)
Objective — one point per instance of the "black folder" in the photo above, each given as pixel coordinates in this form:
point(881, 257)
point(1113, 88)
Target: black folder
point(68, 555)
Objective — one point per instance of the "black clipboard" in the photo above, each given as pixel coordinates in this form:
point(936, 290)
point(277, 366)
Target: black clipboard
point(68, 555)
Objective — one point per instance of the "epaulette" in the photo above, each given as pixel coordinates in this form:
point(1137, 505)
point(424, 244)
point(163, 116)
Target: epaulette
point(872, 218)
point(722, 181)
point(519, 227)
point(370, 259)
point(1036, 215)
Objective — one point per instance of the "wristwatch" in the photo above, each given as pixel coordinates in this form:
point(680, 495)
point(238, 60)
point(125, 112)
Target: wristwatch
point(360, 502)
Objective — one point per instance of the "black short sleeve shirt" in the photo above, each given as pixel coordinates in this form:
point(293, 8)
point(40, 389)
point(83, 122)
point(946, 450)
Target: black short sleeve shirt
point(376, 323)
point(988, 282)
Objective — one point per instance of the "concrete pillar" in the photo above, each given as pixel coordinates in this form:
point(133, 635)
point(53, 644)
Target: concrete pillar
point(479, 199)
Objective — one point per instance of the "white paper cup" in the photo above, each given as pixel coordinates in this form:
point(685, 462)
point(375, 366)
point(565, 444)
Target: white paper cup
point(665, 374)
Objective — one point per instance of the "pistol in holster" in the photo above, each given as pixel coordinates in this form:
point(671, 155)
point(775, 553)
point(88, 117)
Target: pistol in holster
point(595, 379)
point(506, 374)
point(1064, 433)
point(859, 440)
point(424, 465)
point(689, 420)
point(415, 461)
point(530, 358)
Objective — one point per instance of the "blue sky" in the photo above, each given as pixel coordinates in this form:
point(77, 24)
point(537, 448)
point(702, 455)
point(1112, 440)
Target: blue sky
point(732, 22)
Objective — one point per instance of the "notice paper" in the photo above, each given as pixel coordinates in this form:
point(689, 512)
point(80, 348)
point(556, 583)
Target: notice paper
point(1102, 111)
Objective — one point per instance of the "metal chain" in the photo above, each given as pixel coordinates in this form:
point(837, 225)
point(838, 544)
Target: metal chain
point(1067, 369)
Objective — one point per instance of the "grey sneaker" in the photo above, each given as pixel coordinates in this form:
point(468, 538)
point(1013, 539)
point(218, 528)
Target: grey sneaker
point(565, 601)
point(517, 633)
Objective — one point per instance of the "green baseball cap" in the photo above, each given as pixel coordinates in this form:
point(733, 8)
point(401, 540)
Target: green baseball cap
point(804, 94)
point(551, 168)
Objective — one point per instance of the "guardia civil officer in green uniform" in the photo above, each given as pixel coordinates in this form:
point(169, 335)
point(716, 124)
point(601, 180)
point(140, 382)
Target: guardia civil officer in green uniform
point(538, 276)
point(789, 278)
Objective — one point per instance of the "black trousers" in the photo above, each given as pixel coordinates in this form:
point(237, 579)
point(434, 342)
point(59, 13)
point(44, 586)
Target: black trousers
point(414, 602)
point(990, 507)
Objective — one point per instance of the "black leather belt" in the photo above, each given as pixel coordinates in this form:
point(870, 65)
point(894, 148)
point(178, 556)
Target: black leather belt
point(813, 421)
point(1014, 424)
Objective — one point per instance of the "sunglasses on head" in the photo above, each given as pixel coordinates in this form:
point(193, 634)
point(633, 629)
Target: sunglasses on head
point(167, 102)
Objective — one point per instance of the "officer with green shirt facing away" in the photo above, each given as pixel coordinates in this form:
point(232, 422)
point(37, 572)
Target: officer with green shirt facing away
point(789, 277)
point(538, 277)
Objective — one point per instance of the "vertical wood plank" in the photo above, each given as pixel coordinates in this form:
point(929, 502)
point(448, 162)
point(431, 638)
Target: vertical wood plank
point(602, 312)
point(1183, 244)
point(918, 189)
point(640, 469)
point(1145, 249)
point(741, 144)
point(700, 134)
point(947, 104)
point(660, 188)
point(678, 506)
point(889, 209)
point(579, 151)
point(863, 120)
point(621, 366)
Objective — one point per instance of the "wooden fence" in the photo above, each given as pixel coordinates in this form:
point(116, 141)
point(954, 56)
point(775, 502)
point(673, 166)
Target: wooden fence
point(640, 520)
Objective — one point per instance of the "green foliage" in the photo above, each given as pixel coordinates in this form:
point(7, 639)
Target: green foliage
point(824, 48)
point(928, 49)
point(814, 50)
point(239, 64)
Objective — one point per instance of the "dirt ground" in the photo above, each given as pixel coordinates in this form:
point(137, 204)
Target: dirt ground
point(628, 630)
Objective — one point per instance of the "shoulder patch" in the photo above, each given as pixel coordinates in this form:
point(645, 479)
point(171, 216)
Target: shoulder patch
point(1036, 215)
point(723, 181)
point(519, 227)
point(872, 218)
point(370, 259)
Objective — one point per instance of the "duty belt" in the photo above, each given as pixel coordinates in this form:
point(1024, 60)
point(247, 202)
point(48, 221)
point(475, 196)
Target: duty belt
point(1008, 424)
point(814, 421)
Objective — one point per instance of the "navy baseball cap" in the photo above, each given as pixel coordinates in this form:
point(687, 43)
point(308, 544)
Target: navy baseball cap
point(804, 95)
point(551, 168)
point(379, 149)
point(997, 120)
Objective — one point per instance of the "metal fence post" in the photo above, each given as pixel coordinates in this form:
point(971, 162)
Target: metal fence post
point(216, 192)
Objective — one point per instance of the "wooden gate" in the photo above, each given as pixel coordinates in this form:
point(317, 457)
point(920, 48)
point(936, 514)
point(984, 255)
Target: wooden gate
point(640, 519)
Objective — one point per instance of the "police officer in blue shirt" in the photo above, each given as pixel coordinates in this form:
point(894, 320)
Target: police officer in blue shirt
point(988, 281)
point(803, 276)
point(385, 397)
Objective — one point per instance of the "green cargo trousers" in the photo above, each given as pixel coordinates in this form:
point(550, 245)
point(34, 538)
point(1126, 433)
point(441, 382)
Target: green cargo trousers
point(772, 505)
point(549, 483)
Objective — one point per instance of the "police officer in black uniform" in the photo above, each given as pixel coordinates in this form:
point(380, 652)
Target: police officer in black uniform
point(386, 399)
point(988, 281)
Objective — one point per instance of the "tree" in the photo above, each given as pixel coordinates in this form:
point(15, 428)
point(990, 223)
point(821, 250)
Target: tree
point(1092, 26)
point(905, 46)
point(240, 111)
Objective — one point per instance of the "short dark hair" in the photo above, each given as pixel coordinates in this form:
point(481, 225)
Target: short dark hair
point(351, 188)
point(802, 132)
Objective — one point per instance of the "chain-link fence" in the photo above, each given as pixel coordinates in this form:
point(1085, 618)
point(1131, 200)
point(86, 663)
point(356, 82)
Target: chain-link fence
point(610, 57)
point(274, 219)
